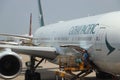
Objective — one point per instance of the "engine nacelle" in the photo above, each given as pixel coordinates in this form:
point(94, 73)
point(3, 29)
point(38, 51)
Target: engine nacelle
point(10, 64)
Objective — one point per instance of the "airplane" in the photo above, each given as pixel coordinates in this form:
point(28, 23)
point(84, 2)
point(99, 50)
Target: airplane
point(99, 35)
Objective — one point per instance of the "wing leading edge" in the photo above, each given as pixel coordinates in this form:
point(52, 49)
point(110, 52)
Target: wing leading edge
point(43, 52)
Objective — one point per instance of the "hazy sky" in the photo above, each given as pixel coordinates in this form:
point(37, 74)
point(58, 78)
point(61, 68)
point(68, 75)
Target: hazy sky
point(14, 14)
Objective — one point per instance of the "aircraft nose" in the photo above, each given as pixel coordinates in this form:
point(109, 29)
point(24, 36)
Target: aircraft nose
point(112, 22)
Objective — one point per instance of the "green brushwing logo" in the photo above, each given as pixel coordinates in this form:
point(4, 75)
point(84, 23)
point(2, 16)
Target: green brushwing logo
point(110, 48)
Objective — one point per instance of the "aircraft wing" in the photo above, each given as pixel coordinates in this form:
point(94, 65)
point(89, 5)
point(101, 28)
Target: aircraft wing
point(11, 43)
point(17, 36)
point(43, 52)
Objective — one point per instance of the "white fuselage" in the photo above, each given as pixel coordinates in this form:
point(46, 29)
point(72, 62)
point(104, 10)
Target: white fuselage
point(100, 35)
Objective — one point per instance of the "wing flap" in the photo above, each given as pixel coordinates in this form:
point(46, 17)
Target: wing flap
point(44, 52)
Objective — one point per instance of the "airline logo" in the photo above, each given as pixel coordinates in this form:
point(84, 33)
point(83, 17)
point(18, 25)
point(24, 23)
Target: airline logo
point(110, 48)
point(83, 29)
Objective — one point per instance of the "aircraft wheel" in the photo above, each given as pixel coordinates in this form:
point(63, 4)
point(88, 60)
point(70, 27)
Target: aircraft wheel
point(32, 76)
point(36, 76)
point(103, 75)
point(59, 78)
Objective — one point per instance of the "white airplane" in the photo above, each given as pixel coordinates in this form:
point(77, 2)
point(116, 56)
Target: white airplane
point(99, 35)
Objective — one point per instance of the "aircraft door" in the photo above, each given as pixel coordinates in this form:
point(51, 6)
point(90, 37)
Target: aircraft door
point(100, 39)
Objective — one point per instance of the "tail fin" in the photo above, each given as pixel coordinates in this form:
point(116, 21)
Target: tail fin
point(41, 13)
point(30, 29)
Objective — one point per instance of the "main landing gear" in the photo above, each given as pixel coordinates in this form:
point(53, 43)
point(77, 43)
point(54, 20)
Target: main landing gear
point(31, 73)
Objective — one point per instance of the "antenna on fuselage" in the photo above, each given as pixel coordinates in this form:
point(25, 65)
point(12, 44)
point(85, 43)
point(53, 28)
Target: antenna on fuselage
point(41, 14)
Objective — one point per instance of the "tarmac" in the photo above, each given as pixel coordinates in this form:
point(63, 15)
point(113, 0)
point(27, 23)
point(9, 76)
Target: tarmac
point(47, 71)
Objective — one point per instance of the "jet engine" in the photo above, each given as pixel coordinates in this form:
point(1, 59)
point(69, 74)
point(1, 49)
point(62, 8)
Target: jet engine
point(10, 64)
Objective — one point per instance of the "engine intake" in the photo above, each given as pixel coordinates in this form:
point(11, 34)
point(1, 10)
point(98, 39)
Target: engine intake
point(10, 64)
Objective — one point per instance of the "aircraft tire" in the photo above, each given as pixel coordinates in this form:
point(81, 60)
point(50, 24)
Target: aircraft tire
point(103, 75)
point(32, 76)
point(59, 78)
